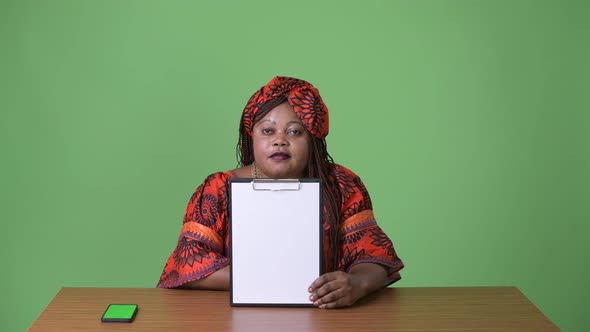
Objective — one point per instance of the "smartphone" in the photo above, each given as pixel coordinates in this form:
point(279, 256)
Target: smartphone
point(122, 313)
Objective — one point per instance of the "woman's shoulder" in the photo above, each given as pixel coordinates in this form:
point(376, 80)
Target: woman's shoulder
point(216, 179)
point(222, 177)
point(228, 174)
point(340, 171)
point(346, 178)
point(355, 196)
point(240, 172)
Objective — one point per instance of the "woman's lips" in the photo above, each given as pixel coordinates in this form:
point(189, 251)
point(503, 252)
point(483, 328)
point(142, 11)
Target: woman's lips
point(278, 156)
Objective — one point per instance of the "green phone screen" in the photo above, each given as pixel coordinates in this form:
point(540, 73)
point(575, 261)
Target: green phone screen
point(119, 313)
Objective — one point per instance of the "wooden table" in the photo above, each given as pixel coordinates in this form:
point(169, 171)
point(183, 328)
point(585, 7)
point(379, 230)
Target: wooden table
point(391, 309)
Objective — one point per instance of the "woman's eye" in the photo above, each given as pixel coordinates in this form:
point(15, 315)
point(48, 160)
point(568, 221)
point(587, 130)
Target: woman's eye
point(294, 132)
point(267, 131)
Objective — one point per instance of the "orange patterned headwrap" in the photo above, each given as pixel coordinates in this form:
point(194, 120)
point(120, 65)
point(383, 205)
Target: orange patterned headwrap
point(301, 95)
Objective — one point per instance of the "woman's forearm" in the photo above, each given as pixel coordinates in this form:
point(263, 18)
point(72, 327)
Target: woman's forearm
point(219, 280)
point(373, 276)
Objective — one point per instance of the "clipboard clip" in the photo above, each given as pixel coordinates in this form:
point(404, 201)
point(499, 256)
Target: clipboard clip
point(276, 184)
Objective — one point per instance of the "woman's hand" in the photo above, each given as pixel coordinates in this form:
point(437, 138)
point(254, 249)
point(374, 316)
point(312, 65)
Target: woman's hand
point(340, 289)
point(335, 290)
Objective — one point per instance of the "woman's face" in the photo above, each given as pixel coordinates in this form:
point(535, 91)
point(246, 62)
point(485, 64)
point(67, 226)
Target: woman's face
point(280, 144)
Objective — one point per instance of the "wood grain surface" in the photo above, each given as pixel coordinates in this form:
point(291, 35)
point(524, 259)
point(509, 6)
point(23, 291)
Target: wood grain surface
point(391, 309)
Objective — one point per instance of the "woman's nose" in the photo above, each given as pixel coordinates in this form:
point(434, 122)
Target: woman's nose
point(280, 140)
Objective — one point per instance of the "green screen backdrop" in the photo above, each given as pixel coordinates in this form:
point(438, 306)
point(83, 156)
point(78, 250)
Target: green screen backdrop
point(467, 120)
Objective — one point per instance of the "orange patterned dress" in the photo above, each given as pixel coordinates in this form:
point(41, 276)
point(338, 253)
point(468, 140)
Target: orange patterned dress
point(203, 244)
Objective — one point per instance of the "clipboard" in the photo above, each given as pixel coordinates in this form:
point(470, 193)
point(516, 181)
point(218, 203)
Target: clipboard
point(275, 241)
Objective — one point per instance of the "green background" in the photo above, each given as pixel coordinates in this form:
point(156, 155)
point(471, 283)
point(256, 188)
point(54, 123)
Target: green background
point(467, 120)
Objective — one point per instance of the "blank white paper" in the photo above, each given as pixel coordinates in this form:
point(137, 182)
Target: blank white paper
point(275, 241)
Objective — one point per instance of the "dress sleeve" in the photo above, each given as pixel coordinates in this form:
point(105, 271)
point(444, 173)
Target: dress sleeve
point(362, 240)
point(203, 242)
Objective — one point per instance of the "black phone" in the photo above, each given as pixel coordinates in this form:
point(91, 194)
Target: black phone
point(122, 313)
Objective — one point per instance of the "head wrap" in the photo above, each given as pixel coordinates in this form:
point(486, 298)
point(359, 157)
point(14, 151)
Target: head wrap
point(301, 95)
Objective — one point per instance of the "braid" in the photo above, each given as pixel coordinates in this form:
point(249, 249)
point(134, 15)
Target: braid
point(319, 165)
point(244, 149)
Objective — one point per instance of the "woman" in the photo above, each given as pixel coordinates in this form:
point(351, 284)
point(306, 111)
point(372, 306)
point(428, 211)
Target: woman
point(282, 135)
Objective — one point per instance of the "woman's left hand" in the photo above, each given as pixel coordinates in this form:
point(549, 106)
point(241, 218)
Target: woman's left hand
point(336, 289)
